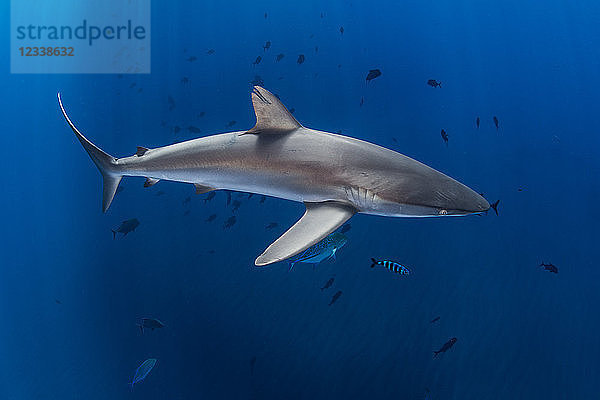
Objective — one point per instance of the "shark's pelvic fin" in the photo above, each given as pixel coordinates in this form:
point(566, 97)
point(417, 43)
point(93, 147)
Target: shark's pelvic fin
point(202, 189)
point(141, 151)
point(319, 220)
point(106, 163)
point(150, 182)
point(271, 114)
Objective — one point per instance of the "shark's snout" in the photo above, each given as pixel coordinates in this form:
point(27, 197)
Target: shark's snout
point(458, 199)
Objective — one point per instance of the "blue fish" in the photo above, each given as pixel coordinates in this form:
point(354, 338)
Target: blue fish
point(323, 250)
point(143, 370)
point(392, 266)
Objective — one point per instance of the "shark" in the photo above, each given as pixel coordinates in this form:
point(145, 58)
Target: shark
point(333, 175)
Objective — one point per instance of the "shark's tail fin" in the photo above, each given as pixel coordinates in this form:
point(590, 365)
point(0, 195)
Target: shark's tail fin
point(106, 163)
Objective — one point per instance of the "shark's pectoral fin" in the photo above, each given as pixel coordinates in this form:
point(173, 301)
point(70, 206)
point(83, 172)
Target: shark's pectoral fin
point(271, 114)
point(319, 220)
point(200, 189)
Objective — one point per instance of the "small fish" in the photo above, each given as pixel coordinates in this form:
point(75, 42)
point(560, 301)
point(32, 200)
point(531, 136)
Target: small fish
point(300, 59)
point(391, 265)
point(253, 359)
point(57, 301)
point(444, 136)
point(335, 297)
point(210, 196)
point(445, 347)
point(436, 319)
point(495, 206)
point(143, 371)
point(132, 85)
point(267, 45)
point(434, 83)
point(210, 51)
point(325, 249)
point(550, 267)
point(341, 30)
point(236, 205)
point(185, 79)
point(374, 73)
point(171, 103)
point(191, 58)
point(345, 228)
point(272, 225)
point(187, 200)
point(228, 198)
point(231, 123)
point(328, 284)
point(257, 81)
point(316, 49)
point(230, 222)
point(265, 15)
point(257, 61)
point(477, 122)
point(126, 227)
point(149, 323)
point(262, 199)
point(193, 129)
point(362, 101)
point(496, 122)
point(211, 218)
point(279, 57)
point(201, 114)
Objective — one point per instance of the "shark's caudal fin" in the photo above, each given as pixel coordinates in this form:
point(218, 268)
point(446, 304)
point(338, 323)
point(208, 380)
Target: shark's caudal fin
point(271, 114)
point(319, 220)
point(106, 163)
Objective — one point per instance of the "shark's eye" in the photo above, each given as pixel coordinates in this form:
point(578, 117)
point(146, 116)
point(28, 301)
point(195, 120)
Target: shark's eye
point(443, 212)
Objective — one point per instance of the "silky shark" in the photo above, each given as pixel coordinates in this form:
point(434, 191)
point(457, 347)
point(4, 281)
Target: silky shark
point(335, 176)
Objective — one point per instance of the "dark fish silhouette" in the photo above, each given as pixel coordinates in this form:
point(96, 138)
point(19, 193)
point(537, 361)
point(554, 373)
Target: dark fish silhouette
point(316, 49)
point(126, 227)
point(267, 45)
point(231, 123)
point(374, 73)
point(185, 79)
point(57, 301)
point(328, 284)
point(495, 206)
point(230, 222)
point(253, 359)
point(257, 81)
point(345, 228)
point(434, 83)
point(201, 114)
point(262, 199)
point(550, 267)
point(257, 61)
point(496, 122)
point(265, 15)
point(191, 59)
point(335, 297)
point(236, 205)
point(300, 59)
point(445, 347)
point(132, 85)
point(211, 51)
point(193, 129)
point(341, 30)
point(279, 57)
point(187, 200)
point(272, 225)
point(210, 196)
point(149, 323)
point(171, 103)
point(436, 319)
point(211, 218)
point(477, 122)
point(228, 198)
point(362, 101)
point(444, 136)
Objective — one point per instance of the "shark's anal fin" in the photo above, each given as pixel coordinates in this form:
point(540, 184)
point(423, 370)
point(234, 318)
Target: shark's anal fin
point(319, 220)
point(271, 114)
point(150, 182)
point(200, 189)
point(141, 151)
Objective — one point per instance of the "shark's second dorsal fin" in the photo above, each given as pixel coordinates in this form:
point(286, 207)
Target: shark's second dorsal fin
point(271, 114)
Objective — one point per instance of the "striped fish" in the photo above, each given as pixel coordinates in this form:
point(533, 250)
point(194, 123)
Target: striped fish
point(392, 266)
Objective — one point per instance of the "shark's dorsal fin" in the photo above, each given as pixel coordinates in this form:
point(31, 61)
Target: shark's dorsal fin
point(319, 220)
point(141, 151)
point(271, 114)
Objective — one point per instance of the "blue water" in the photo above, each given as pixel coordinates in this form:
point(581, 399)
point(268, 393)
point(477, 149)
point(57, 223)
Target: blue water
point(523, 333)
